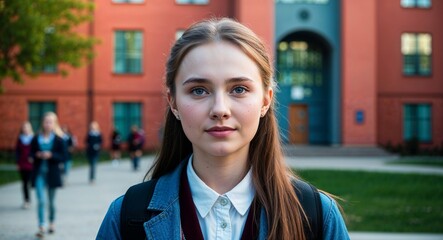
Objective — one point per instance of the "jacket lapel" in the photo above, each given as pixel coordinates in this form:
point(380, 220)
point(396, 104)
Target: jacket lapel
point(166, 224)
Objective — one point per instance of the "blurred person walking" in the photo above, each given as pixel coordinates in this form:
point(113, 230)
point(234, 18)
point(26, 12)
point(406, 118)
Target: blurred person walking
point(48, 152)
point(116, 142)
point(136, 140)
point(24, 165)
point(93, 146)
point(70, 142)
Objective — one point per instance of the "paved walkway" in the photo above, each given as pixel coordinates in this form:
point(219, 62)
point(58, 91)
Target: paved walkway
point(372, 164)
point(81, 206)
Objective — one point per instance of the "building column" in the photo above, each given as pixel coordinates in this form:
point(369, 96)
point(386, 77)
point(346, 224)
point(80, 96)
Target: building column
point(258, 15)
point(359, 72)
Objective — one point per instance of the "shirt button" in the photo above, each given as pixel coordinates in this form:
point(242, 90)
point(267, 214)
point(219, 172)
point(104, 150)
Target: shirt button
point(224, 225)
point(223, 202)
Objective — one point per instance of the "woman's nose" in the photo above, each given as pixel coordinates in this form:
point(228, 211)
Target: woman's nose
point(220, 107)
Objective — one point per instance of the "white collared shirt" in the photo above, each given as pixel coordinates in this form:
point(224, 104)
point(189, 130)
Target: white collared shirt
point(221, 216)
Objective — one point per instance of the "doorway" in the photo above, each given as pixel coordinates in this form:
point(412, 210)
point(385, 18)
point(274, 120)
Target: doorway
point(299, 124)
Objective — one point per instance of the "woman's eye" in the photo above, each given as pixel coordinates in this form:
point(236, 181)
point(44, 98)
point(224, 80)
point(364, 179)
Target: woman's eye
point(239, 90)
point(198, 91)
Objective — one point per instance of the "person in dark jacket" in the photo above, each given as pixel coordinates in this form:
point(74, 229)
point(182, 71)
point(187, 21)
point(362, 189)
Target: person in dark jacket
point(48, 152)
point(136, 139)
point(70, 144)
point(116, 142)
point(93, 146)
point(24, 165)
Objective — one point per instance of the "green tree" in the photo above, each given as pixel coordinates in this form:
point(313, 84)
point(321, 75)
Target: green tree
point(39, 33)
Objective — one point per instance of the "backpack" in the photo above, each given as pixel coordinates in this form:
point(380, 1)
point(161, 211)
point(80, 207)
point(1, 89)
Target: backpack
point(136, 200)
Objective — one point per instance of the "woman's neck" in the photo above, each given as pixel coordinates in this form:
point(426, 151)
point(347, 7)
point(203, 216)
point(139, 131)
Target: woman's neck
point(221, 173)
point(46, 133)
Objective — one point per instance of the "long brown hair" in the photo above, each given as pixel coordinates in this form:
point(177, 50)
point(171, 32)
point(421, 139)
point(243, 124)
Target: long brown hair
point(271, 177)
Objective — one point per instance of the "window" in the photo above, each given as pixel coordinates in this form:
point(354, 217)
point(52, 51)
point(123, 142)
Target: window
point(36, 110)
point(303, 1)
point(197, 2)
point(128, 1)
point(125, 115)
point(416, 3)
point(417, 52)
point(178, 34)
point(45, 67)
point(417, 122)
point(300, 64)
point(128, 52)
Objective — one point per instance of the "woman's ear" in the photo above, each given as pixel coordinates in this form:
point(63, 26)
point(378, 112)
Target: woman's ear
point(267, 100)
point(172, 105)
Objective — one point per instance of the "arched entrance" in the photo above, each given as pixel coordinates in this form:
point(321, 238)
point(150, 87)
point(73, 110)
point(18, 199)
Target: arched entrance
point(303, 75)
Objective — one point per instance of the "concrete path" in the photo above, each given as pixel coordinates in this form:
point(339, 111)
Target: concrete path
point(81, 206)
point(371, 164)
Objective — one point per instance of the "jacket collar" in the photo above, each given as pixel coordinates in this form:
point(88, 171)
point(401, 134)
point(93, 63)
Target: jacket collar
point(166, 225)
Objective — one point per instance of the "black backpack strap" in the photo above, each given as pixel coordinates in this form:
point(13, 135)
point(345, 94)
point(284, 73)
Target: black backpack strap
point(309, 198)
point(134, 210)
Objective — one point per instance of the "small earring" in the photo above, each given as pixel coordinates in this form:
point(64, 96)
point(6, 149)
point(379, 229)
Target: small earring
point(262, 114)
point(178, 117)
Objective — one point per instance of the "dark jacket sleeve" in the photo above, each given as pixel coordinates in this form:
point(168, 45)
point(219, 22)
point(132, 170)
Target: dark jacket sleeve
point(34, 147)
point(17, 150)
point(59, 150)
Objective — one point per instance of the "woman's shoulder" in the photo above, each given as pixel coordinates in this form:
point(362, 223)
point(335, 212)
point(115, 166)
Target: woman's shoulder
point(334, 226)
point(110, 227)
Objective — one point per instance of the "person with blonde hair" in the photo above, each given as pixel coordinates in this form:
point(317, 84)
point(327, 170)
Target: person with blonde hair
point(93, 146)
point(24, 165)
point(220, 173)
point(48, 152)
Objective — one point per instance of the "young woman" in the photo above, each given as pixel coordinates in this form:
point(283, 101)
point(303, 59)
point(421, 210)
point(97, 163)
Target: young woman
point(48, 152)
point(136, 140)
point(116, 142)
point(221, 142)
point(22, 151)
point(93, 145)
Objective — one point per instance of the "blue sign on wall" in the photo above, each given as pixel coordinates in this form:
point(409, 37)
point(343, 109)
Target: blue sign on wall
point(359, 116)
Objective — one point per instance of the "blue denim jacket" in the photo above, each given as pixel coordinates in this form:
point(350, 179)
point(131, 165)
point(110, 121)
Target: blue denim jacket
point(166, 225)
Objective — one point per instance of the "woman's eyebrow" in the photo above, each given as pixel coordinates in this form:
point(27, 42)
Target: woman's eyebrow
point(204, 80)
point(195, 80)
point(238, 80)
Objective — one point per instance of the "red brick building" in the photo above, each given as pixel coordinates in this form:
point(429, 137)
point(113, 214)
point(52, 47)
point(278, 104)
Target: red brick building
point(389, 84)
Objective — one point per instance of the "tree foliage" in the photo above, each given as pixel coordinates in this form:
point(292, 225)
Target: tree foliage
point(38, 33)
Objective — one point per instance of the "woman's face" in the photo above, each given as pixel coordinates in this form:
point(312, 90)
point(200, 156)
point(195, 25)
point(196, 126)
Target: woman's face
point(219, 99)
point(27, 129)
point(48, 124)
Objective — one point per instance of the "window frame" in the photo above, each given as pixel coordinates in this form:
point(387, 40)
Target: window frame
point(416, 56)
point(127, 118)
point(416, 122)
point(128, 2)
point(192, 3)
point(313, 2)
point(415, 5)
point(141, 53)
point(41, 112)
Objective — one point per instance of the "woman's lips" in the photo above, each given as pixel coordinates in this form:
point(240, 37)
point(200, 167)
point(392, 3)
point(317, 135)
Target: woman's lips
point(220, 131)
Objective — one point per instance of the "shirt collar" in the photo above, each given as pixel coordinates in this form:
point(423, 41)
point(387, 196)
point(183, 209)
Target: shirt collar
point(204, 197)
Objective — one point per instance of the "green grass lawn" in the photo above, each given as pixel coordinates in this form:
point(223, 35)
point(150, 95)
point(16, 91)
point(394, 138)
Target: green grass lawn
point(7, 176)
point(388, 202)
point(424, 160)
